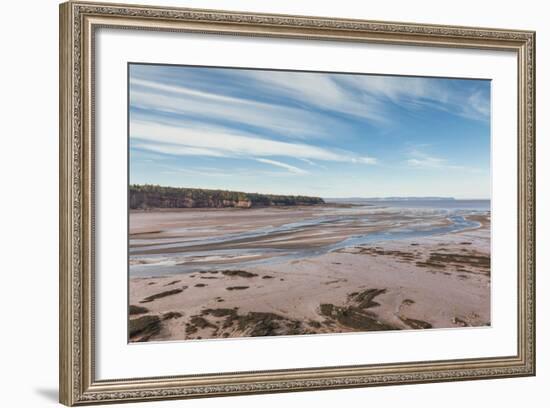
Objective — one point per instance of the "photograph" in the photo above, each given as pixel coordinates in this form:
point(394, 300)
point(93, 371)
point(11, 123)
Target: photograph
point(278, 203)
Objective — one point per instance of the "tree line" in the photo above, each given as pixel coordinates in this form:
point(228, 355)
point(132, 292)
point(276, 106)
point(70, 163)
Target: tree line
point(154, 196)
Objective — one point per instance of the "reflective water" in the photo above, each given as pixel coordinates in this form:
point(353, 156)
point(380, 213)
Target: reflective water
point(414, 220)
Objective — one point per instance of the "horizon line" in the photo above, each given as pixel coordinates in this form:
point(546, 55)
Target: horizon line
point(319, 196)
point(405, 197)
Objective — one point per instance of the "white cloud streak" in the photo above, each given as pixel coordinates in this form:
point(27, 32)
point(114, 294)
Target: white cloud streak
point(180, 100)
point(312, 163)
point(424, 161)
point(427, 163)
point(364, 160)
point(417, 93)
point(366, 96)
point(292, 169)
point(222, 142)
point(320, 91)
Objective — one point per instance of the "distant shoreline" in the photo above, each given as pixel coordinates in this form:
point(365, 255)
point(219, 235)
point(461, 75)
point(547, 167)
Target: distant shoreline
point(224, 209)
point(155, 196)
point(436, 204)
point(148, 197)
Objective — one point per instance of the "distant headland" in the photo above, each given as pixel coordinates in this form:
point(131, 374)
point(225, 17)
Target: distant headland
point(427, 198)
point(154, 196)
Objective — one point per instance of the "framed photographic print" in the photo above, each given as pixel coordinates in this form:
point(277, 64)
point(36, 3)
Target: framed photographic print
point(258, 203)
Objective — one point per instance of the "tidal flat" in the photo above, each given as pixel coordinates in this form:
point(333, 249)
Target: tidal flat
point(332, 268)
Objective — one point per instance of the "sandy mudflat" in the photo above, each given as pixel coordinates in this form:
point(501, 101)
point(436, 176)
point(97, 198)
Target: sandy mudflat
point(300, 279)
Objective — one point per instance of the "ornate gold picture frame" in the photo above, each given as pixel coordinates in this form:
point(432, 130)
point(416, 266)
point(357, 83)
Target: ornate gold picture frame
point(78, 24)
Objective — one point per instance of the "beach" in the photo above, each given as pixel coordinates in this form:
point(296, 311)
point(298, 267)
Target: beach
point(333, 268)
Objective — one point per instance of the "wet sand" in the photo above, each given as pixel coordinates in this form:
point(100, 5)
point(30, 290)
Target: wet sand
point(300, 279)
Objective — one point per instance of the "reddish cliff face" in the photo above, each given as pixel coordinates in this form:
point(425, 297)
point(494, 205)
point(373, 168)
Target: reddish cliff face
point(244, 204)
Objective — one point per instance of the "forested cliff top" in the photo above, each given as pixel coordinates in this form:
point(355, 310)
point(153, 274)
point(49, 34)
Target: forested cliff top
point(154, 196)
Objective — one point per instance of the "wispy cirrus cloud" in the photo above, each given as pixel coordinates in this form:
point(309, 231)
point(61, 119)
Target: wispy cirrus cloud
point(319, 91)
point(428, 163)
point(292, 169)
point(312, 163)
point(419, 93)
point(286, 121)
point(197, 140)
point(364, 160)
point(421, 160)
point(369, 96)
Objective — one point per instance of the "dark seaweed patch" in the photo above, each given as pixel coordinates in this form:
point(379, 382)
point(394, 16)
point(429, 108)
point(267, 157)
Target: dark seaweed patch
point(171, 315)
point(143, 328)
point(201, 322)
point(135, 310)
point(354, 318)
point(365, 299)
point(161, 295)
point(239, 273)
point(415, 324)
point(220, 312)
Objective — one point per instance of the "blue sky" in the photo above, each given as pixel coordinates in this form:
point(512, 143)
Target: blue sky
point(321, 134)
